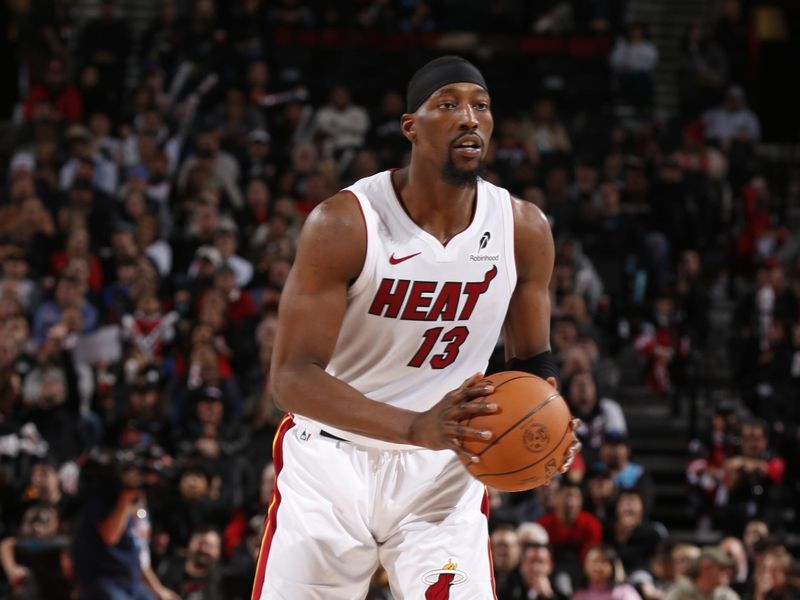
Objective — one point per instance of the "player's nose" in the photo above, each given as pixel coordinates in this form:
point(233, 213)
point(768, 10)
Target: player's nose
point(468, 117)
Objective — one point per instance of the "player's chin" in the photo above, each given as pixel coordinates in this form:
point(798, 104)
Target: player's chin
point(460, 171)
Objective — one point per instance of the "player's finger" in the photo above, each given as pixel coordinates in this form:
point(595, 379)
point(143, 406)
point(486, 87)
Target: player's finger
point(475, 391)
point(471, 381)
point(567, 464)
point(574, 423)
point(464, 454)
point(472, 408)
point(473, 387)
point(462, 432)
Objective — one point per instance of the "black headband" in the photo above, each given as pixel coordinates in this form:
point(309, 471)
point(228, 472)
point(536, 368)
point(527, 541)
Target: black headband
point(439, 72)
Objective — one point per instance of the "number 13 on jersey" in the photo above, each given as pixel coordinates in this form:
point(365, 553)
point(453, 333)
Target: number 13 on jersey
point(452, 338)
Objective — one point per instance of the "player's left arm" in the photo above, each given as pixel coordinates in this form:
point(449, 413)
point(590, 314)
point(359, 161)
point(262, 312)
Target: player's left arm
point(526, 330)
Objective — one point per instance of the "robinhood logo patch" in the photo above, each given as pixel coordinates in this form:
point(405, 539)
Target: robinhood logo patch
point(482, 243)
point(484, 240)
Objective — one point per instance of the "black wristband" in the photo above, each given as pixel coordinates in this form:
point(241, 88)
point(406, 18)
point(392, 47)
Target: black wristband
point(542, 365)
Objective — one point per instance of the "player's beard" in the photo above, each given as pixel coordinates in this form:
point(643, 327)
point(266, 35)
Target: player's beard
point(461, 177)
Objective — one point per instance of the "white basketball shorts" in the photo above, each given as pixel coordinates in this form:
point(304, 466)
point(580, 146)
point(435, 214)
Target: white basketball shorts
point(340, 509)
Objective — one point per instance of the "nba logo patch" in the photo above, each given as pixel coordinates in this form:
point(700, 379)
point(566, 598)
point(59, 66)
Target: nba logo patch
point(304, 435)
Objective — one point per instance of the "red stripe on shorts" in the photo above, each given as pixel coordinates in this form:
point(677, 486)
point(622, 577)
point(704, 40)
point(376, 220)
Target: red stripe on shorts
point(271, 520)
point(485, 511)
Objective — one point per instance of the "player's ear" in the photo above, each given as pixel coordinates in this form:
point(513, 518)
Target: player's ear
point(408, 126)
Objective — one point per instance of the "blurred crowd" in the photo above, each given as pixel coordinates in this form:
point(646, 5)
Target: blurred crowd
point(149, 212)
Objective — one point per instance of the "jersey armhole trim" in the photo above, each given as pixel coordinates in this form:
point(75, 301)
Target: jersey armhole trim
point(367, 266)
point(510, 224)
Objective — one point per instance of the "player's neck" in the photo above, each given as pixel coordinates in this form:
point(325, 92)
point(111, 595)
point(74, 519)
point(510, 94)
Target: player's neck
point(438, 207)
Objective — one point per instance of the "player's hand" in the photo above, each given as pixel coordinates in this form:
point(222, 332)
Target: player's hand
point(574, 447)
point(441, 427)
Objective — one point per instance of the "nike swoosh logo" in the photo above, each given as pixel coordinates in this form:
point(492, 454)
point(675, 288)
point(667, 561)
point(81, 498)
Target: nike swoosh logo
point(397, 261)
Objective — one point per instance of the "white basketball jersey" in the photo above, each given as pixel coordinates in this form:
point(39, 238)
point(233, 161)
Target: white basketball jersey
point(422, 316)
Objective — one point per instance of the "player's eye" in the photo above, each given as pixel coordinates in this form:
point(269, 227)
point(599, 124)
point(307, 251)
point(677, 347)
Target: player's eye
point(448, 104)
point(482, 106)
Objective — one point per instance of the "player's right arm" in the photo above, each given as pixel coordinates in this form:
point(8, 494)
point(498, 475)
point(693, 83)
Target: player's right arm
point(330, 255)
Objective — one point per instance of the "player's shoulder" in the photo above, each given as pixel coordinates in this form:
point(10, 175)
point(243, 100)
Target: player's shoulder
point(334, 237)
point(340, 214)
point(533, 241)
point(529, 220)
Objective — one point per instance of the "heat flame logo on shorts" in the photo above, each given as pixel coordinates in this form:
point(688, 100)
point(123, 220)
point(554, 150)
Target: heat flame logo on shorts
point(440, 581)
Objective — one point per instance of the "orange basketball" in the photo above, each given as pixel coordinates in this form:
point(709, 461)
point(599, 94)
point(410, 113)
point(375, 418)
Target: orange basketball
point(530, 433)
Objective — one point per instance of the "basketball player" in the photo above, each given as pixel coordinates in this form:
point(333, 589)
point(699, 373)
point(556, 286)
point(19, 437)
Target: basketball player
point(401, 287)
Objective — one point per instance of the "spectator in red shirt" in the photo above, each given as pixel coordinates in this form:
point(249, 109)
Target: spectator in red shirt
point(54, 89)
point(572, 530)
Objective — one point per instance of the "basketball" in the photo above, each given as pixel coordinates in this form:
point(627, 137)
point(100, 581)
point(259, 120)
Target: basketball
point(530, 433)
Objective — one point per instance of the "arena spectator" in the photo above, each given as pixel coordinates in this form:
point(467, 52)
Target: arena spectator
point(732, 120)
point(55, 92)
point(104, 44)
point(345, 123)
point(633, 536)
point(709, 578)
point(587, 283)
point(731, 30)
point(704, 71)
point(633, 60)
point(604, 577)
point(29, 225)
point(199, 574)
point(705, 472)
point(506, 551)
point(751, 480)
point(740, 575)
point(195, 503)
point(258, 161)
point(222, 167)
point(533, 578)
point(664, 344)
point(774, 577)
point(571, 530)
point(530, 532)
point(543, 132)
point(140, 416)
point(238, 582)
point(684, 557)
point(15, 280)
point(601, 492)
point(653, 581)
point(385, 137)
point(754, 532)
point(36, 562)
point(52, 399)
point(615, 454)
point(87, 163)
point(226, 242)
point(599, 416)
point(105, 551)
